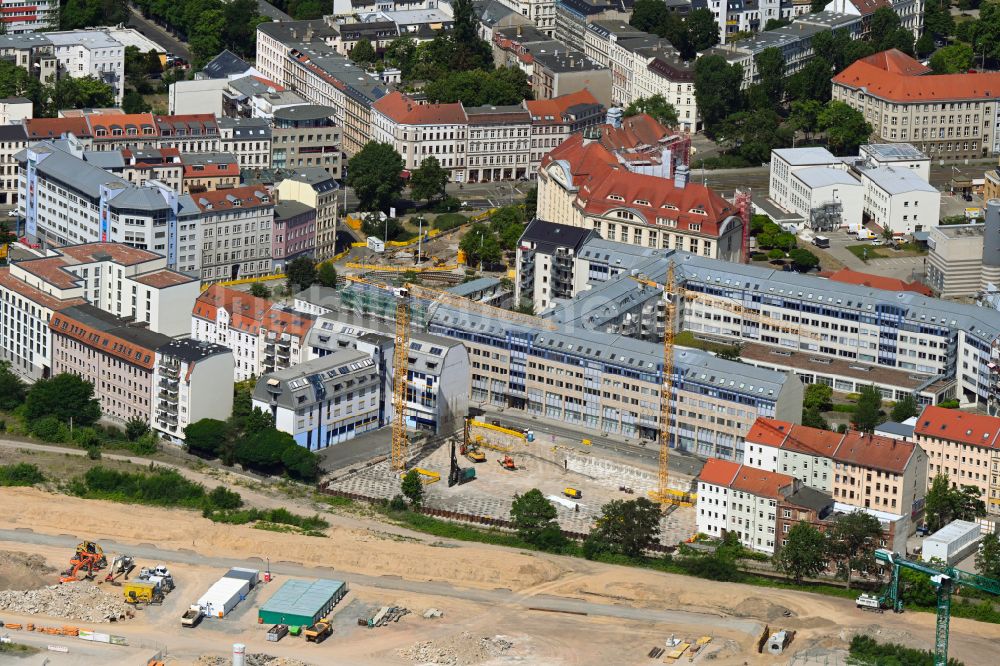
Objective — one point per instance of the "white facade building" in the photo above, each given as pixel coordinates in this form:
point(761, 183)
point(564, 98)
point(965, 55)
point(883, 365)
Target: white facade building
point(825, 197)
point(91, 53)
point(897, 199)
point(785, 161)
point(191, 381)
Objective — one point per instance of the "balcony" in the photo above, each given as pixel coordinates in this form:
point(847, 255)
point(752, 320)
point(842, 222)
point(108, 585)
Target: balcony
point(170, 408)
point(169, 384)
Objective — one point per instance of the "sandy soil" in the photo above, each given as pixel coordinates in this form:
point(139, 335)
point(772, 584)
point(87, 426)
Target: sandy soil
point(545, 639)
point(24, 571)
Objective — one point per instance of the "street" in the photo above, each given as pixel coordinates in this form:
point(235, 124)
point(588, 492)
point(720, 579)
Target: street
point(158, 34)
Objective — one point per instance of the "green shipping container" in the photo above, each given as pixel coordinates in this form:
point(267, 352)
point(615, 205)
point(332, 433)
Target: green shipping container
point(302, 602)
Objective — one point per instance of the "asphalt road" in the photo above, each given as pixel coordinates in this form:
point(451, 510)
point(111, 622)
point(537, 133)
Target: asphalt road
point(500, 596)
point(159, 35)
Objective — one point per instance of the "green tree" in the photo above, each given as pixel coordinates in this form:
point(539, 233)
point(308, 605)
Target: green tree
point(812, 82)
point(851, 543)
point(629, 527)
point(531, 203)
point(883, 25)
point(503, 86)
point(205, 437)
point(818, 6)
point(224, 499)
point(300, 463)
point(260, 290)
point(301, 272)
point(818, 397)
point(702, 28)
point(804, 555)
point(12, 389)
point(648, 15)
point(952, 59)
point(263, 449)
point(938, 21)
point(938, 503)
point(413, 488)
point(845, 128)
point(375, 175)
point(470, 51)
point(771, 68)
point(656, 106)
point(988, 557)
point(715, 83)
point(133, 102)
point(924, 46)
point(803, 260)
point(135, 428)
point(534, 518)
point(917, 588)
point(868, 412)
point(752, 135)
point(326, 274)
point(65, 397)
point(401, 54)
point(480, 245)
point(813, 419)
point(904, 408)
point(428, 180)
point(363, 53)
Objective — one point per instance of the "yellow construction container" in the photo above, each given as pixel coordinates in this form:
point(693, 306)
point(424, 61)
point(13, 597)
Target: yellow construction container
point(141, 592)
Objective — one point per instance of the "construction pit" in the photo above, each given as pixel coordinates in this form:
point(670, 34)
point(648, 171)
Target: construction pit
point(550, 468)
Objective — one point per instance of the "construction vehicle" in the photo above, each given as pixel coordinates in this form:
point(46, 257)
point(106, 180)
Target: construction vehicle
point(572, 493)
point(666, 496)
point(507, 463)
point(159, 575)
point(192, 616)
point(89, 557)
point(945, 580)
point(871, 602)
point(142, 592)
point(459, 475)
point(121, 567)
point(401, 353)
point(317, 633)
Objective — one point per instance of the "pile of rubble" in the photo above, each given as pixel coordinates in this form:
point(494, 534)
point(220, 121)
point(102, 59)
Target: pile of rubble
point(255, 659)
point(73, 601)
point(462, 650)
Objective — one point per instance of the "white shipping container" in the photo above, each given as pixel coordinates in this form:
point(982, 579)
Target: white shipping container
point(241, 573)
point(952, 542)
point(223, 596)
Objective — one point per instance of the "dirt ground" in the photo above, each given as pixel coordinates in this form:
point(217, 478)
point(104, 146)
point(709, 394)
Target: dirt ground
point(24, 571)
point(824, 624)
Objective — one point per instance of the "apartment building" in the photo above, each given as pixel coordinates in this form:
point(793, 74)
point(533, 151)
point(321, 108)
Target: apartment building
point(625, 188)
point(910, 12)
point(869, 471)
point(899, 200)
point(262, 336)
point(249, 139)
point(739, 17)
point(23, 19)
point(324, 401)
point(294, 233)
point(965, 447)
point(91, 53)
point(237, 226)
point(306, 136)
point(437, 373)
point(418, 131)
point(65, 200)
point(644, 65)
point(599, 35)
point(555, 120)
point(573, 16)
point(191, 133)
point(191, 381)
point(600, 380)
point(947, 116)
point(563, 72)
point(499, 143)
point(209, 171)
point(545, 255)
point(497, 14)
point(13, 139)
point(315, 187)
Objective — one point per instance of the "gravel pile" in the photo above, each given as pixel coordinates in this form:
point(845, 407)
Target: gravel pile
point(255, 659)
point(461, 650)
point(74, 601)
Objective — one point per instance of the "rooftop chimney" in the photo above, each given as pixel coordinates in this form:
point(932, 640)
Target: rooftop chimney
point(681, 176)
point(614, 117)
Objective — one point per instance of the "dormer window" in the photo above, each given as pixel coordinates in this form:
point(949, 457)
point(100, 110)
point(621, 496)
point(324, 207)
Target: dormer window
point(669, 206)
point(616, 197)
point(694, 227)
point(101, 131)
point(697, 211)
point(641, 202)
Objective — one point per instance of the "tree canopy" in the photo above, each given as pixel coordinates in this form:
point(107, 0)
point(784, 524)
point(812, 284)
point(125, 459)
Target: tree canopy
point(301, 272)
point(845, 128)
point(944, 503)
point(503, 86)
point(428, 180)
point(628, 527)
point(715, 86)
point(534, 518)
point(64, 397)
point(375, 174)
point(868, 412)
point(657, 107)
point(851, 542)
point(805, 553)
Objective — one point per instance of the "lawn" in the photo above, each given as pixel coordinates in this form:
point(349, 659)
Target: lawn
point(688, 339)
point(883, 252)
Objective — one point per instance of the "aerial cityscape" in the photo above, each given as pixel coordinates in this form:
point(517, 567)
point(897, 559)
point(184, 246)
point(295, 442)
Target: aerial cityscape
point(495, 332)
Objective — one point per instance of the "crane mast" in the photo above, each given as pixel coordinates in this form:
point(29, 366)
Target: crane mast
point(401, 364)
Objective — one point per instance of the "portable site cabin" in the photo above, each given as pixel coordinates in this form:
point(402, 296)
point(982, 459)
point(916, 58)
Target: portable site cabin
point(302, 602)
point(223, 596)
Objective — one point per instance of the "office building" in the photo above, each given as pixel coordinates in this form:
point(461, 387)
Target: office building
point(306, 136)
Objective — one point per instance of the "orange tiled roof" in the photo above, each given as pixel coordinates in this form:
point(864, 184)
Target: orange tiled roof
point(550, 111)
point(760, 482)
point(278, 320)
point(249, 197)
point(908, 87)
point(10, 282)
point(875, 452)
point(848, 276)
point(164, 278)
point(895, 61)
point(401, 109)
point(957, 426)
point(246, 312)
point(53, 128)
point(718, 472)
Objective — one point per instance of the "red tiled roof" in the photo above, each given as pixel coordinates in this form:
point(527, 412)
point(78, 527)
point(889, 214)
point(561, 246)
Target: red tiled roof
point(118, 252)
point(957, 426)
point(871, 451)
point(604, 185)
point(760, 482)
point(897, 62)
point(401, 109)
point(164, 278)
point(249, 197)
point(211, 170)
point(52, 270)
point(108, 121)
point(297, 324)
point(848, 276)
point(271, 84)
point(898, 86)
point(7, 281)
point(53, 128)
point(550, 111)
point(718, 472)
point(867, 7)
point(246, 312)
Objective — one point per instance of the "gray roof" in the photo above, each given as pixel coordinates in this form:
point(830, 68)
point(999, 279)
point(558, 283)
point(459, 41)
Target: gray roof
point(805, 156)
point(473, 286)
point(318, 177)
point(190, 159)
point(106, 159)
point(289, 32)
point(73, 172)
point(247, 128)
point(312, 380)
point(898, 180)
point(13, 133)
point(191, 350)
point(25, 40)
point(547, 236)
point(811, 498)
point(100, 320)
point(492, 12)
point(15, 100)
point(304, 112)
point(893, 151)
point(265, 8)
point(893, 428)
point(91, 38)
point(823, 176)
point(288, 208)
point(139, 198)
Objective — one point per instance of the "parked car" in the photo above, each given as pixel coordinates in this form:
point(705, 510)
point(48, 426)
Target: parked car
point(878, 241)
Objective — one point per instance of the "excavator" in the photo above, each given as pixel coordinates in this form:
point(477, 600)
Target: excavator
point(507, 463)
point(89, 557)
point(121, 566)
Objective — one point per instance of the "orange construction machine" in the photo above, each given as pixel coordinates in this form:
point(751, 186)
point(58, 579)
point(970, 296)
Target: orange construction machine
point(89, 557)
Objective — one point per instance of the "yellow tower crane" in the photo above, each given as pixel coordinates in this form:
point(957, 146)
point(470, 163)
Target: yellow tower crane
point(664, 494)
point(401, 353)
